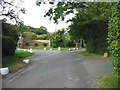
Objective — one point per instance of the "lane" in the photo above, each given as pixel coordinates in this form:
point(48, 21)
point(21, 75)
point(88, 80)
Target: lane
point(60, 69)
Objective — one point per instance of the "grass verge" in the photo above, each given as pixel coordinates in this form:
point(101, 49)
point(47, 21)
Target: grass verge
point(108, 81)
point(14, 62)
point(85, 53)
point(42, 48)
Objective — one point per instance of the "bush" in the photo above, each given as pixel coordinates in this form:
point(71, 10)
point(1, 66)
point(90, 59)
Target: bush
point(10, 30)
point(30, 35)
point(8, 46)
point(9, 38)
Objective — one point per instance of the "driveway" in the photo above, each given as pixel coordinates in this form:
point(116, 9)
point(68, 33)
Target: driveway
point(59, 69)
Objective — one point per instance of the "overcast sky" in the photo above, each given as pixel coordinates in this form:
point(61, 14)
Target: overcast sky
point(35, 16)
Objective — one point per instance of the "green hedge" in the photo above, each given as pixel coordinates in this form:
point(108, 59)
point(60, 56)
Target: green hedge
point(10, 30)
point(8, 46)
point(114, 36)
point(9, 38)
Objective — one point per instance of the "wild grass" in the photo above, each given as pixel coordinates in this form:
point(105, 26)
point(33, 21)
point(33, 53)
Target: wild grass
point(108, 81)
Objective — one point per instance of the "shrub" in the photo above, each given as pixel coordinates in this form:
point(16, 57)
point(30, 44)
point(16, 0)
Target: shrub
point(10, 30)
point(8, 46)
point(9, 38)
point(30, 35)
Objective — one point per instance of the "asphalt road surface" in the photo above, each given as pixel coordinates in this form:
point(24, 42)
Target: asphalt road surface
point(59, 69)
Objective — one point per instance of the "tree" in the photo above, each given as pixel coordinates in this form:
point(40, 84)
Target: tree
point(38, 31)
point(11, 10)
point(43, 37)
point(58, 39)
point(62, 39)
point(10, 30)
point(41, 30)
point(24, 28)
point(88, 17)
point(30, 35)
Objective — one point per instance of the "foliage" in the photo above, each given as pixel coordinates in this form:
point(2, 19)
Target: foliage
point(114, 35)
point(9, 39)
point(30, 35)
point(39, 31)
point(8, 46)
point(43, 37)
point(69, 41)
point(90, 19)
point(59, 10)
point(22, 54)
point(11, 10)
point(24, 28)
point(90, 24)
point(10, 30)
point(62, 39)
point(108, 81)
point(57, 40)
point(43, 41)
point(14, 62)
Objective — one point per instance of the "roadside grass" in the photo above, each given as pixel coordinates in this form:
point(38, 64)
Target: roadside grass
point(43, 41)
point(14, 62)
point(85, 53)
point(22, 54)
point(38, 47)
point(108, 81)
point(42, 48)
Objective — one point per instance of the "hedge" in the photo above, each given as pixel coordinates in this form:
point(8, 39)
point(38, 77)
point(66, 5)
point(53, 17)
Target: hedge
point(8, 46)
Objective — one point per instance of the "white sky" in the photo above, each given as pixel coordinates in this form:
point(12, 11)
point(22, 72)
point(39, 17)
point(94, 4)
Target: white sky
point(35, 16)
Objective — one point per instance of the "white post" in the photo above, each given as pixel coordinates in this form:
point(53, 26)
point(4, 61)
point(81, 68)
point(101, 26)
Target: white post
point(26, 61)
point(59, 48)
point(44, 48)
point(4, 71)
point(31, 51)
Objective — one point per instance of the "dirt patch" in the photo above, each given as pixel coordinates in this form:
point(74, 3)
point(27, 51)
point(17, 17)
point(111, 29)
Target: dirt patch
point(18, 66)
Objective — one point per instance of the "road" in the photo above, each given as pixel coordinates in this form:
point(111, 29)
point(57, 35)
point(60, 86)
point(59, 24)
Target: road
point(59, 69)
